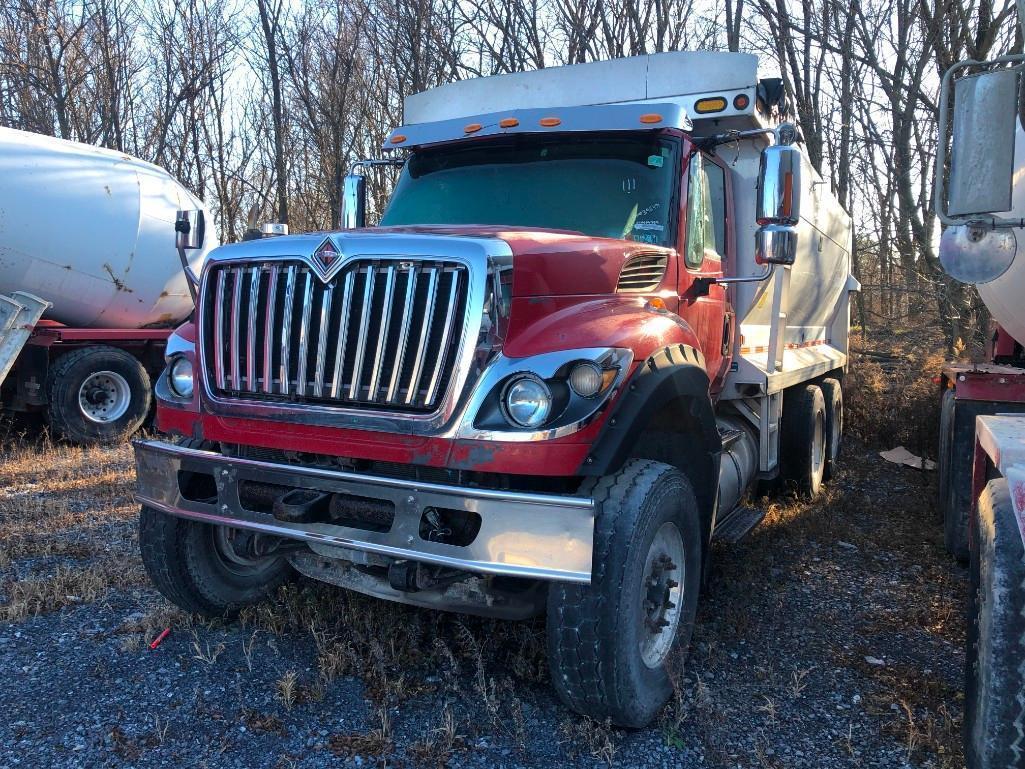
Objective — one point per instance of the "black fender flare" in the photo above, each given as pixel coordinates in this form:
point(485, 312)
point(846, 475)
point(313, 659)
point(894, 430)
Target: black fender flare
point(671, 376)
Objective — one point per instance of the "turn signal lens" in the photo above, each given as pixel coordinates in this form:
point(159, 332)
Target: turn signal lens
point(714, 104)
point(586, 379)
point(741, 100)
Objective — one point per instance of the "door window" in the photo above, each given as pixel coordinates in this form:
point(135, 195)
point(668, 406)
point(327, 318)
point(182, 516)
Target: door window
point(706, 212)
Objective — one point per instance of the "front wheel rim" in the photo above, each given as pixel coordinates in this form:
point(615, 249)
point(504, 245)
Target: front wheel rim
point(664, 575)
point(104, 397)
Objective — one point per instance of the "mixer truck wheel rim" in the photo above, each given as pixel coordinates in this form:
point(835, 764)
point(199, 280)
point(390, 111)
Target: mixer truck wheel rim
point(818, 447)
point(104, 397)
point(663, 594)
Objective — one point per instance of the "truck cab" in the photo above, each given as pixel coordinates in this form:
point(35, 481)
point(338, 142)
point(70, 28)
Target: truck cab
point(541, 384)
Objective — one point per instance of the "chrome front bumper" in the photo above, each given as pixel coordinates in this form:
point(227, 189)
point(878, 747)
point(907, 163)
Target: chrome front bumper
point(538, 536)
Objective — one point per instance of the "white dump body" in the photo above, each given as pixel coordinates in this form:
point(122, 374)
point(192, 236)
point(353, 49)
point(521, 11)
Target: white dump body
point(92, 232)
point(678, 77)
point(1005, 296)
point(815, 336)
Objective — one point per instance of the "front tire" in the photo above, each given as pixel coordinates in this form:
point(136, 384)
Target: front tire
point(995, 671)
point(97, 395)
point(196, 568)
point(609, 642)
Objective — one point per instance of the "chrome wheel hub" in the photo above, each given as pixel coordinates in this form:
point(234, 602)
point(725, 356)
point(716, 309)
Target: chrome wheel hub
point(104, 397)
point(662, 594)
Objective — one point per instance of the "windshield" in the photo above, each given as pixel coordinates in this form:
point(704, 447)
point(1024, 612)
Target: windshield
point(619, 187)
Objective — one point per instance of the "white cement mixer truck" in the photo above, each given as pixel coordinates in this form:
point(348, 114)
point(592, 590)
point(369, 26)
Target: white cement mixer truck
point(90, 283)
point(982, 428)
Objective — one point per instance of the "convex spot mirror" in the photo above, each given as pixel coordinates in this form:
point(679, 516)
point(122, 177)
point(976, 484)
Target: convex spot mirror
point(189, 228)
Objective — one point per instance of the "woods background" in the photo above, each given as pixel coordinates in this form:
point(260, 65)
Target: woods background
point(268, 102)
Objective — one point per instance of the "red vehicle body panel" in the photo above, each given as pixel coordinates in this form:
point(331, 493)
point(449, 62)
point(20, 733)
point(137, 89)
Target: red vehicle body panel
point(986, 382)
point(563, 296)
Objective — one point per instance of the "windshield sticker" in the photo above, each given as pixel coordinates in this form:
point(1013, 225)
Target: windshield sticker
point(655, 161)
point(654, 226)
point(653, 207)
point(629, 185)
point(646, 237)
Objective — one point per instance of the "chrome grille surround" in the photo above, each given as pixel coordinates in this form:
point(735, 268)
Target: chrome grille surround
point(394, 409)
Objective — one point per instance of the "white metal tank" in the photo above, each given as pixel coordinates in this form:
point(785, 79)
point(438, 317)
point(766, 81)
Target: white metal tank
point(92, 231)
point(1005, 296)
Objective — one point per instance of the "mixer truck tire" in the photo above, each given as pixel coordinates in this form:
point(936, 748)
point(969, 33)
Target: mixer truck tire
point(994, 729)
point(946, 452)
point(803, 442)
point(197, 567)
point(832, 394)
point(97, 395)
point(609, 642)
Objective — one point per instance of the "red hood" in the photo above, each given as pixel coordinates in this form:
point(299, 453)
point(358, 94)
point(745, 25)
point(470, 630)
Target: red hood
point(552, 262)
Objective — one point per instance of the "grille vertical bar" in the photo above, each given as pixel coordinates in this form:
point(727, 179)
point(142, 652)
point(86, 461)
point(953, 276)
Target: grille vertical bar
point(425, 337)
point(364, 329)
point(343, 335)
point(325, 317)
point(407, 316)
point(268, 331)
point(380, 334)
point(254, 295)
point(304, 337)
point(286, 330)
point(222, 276)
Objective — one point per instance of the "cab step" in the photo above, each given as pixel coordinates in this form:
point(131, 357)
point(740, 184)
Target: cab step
point(736, 525)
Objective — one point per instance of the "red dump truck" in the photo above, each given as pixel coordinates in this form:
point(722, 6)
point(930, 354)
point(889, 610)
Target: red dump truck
point(603, 301)
point(980, 196)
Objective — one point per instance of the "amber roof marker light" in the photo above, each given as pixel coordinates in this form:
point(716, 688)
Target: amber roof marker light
point(549, 122)
point(651, 117)
point(508, 122)
point(710, 104)
point(398, 139)
point(472, 128)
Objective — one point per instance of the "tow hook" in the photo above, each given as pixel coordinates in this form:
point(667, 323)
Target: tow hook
point(413, 576)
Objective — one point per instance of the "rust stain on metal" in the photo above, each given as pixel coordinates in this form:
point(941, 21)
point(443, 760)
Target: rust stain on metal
point(120, 284)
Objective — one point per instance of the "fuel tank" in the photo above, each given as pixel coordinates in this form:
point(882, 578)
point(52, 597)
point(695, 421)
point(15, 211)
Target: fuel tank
point(92, 231)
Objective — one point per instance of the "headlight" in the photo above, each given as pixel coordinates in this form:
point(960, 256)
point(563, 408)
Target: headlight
point(528, 401)
point(180, 377)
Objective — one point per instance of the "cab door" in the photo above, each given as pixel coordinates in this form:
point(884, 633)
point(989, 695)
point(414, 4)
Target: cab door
point(705, 245)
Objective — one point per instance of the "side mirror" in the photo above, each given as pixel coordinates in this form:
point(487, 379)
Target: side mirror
point(189, 228)
point(354, 201)
point(779, 186)
point(778, 208)
point(982, 143)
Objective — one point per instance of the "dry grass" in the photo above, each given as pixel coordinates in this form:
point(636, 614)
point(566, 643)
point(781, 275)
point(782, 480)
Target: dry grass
point(890, 396)
point(67, 518)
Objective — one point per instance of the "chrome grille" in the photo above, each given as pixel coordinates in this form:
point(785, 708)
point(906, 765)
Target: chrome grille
point(642, 272)
point(381, 333)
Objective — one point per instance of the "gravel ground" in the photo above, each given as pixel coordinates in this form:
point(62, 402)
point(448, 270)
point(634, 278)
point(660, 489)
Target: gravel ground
point(831, 637)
